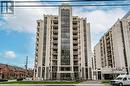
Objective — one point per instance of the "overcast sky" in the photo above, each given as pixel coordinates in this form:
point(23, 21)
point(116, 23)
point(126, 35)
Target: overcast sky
point(17, 31)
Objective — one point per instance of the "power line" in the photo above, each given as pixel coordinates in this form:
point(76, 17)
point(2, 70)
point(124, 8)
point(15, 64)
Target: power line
point(22, 3)
point(71, 1)
point(75, 5)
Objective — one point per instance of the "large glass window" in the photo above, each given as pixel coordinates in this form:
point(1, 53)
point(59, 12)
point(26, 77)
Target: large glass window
point(44, 40)
point(85, 42)
point(65, 37)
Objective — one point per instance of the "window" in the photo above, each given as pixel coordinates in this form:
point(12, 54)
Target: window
point(38, 29)
point(119, 78)
point(65, 37)
point(129, 23)
point(125, 79)
point(65, 68)
point(38, 23)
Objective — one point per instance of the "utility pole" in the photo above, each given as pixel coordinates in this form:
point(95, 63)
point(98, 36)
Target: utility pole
point(26, 66)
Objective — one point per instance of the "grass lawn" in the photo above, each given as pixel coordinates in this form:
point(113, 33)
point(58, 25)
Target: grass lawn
point(40, 82)
point(106, 81)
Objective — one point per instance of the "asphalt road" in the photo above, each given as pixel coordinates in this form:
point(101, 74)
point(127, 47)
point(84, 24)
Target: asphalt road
point(61, 85)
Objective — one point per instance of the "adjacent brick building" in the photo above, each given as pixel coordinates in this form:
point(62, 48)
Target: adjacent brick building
point(13, 72)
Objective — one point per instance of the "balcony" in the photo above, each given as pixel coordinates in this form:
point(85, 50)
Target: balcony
point(54, 57)
point(75, 53)
point(75, 31)
point(54, 63)
point(55, 36)
point(75, 19)
point(75, 25)
point(65, 69)
point(75, 63)
point(109, 58)
point(36, 59)
point(75, 36)
point(55, 41)
point(75, 68)
point(54, 47)
point(55, 53)
point(37, 37)
point(54, 69)
point(75, 57)
point(55, 26)
point(55, 23)
point(75, 41)
point(75, 47)
point(38, 26)
point(55, 30)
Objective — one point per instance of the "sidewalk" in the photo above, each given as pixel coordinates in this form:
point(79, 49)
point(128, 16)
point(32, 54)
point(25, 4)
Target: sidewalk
point(93, 83)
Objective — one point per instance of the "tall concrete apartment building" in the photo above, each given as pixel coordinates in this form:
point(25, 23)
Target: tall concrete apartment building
point(63, 47)
point(112, 52)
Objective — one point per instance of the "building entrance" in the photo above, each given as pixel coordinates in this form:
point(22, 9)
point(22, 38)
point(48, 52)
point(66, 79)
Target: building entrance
point(65, 76)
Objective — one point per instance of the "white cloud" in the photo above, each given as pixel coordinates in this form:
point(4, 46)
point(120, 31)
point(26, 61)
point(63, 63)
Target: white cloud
point(24, 18)
point(101, 20)
point(9, 54)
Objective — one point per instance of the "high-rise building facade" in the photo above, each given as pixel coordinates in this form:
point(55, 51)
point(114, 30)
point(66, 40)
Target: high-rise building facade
point(96, 62)
point(63, 47)
point(113, 49)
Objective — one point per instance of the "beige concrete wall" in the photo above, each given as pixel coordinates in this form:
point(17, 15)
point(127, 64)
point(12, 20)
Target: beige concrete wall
point(81, 51)
point(97, 56)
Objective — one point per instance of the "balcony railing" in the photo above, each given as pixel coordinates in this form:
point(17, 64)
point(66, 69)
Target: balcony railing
point(55, 30)
point(55, 36)
point(75, 53)
point(75, 31)
point(54, 58)
point(75, 41)
point(54, 63)
point(55, 41)
point(55, 53)
point(55, 47)
point(75, 47)
point(75, 25)
point(75, 36)
point(55, 26)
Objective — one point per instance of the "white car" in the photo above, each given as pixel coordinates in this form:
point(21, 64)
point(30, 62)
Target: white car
point(121, 80)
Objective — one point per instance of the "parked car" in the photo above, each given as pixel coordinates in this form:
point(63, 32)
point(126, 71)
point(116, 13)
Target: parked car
point(121, 80)
point(28, 78)
point(3, 80)
point(19, 79)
